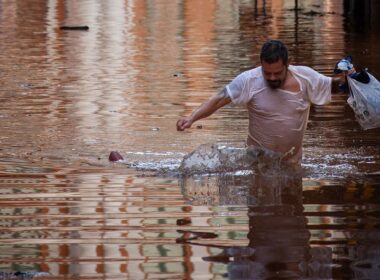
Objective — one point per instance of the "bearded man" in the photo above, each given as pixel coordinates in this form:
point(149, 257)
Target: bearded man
point(278, 98)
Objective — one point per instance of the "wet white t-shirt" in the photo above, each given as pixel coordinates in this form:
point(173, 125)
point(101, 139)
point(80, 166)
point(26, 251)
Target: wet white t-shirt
point(278, 118)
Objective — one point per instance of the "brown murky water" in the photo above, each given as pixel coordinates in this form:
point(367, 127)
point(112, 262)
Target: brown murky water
point(68, 98)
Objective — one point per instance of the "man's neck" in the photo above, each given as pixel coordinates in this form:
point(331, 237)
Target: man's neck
point(290, 83)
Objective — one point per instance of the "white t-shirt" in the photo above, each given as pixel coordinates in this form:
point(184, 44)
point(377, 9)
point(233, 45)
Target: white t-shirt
point(278, 118)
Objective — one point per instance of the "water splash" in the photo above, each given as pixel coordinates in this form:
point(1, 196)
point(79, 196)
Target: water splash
point(214, 158)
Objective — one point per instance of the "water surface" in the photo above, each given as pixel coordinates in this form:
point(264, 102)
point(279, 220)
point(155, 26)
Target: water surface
point(68, 98)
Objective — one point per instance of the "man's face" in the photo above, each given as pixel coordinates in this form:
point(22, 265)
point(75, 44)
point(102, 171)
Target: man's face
point(274, 73)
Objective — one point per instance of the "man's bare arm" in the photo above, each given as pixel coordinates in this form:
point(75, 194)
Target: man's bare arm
point(206, 109)
point(341, 79)
point(336, 82)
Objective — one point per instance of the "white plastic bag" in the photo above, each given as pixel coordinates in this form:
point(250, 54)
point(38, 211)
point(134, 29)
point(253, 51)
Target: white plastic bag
point(365, 101)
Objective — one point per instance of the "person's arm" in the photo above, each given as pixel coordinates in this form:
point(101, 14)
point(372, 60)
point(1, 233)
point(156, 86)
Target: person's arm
point(335, 85)
point(206, 109)
point(338, 81)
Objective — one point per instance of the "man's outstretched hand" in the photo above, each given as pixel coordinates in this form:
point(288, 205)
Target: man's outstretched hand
point(206, 109)
point(183, 123)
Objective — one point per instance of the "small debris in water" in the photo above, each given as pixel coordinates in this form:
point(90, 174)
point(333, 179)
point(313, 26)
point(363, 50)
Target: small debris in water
point(26, 85)
point(313, 13)
point(79, 27)
point(23, 275)
point(182, 222)
point(115, 156)
point(194, 235)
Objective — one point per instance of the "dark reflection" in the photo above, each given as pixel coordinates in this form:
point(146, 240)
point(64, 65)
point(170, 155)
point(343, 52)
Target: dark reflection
point(277, 230)
point(366, 254)
point(278, 236)
point(280, 243)
point(361, 22)
point(358, 253)
point(358, 14)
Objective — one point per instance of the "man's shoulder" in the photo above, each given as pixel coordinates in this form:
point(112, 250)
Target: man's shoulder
point(250, 74)
point(306, 73)
point(302, 69)
point(252, 71)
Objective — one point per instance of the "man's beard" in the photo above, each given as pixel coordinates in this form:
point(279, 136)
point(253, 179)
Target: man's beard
point(274, 84)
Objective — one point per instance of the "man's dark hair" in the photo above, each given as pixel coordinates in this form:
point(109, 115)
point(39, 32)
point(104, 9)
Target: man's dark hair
point(274, 50)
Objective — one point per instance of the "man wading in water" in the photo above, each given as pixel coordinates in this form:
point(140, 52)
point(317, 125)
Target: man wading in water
point(278, 98)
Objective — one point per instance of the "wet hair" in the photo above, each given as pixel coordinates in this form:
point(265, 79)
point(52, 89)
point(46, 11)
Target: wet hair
point(272, 51)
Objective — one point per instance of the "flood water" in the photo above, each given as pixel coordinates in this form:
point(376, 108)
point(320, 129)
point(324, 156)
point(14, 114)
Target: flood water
point(69, 97)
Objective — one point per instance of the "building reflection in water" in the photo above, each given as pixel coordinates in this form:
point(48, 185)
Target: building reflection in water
point(284, 242)
point(278, 238)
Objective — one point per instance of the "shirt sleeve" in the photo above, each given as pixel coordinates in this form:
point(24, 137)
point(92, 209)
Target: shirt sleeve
point(320, 89)
point(238, 90)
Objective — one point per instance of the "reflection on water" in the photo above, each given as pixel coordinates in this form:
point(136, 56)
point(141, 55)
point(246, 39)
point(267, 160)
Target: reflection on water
point(68, 98)
point(278, 236)
point(105, 223)
point(297, 229)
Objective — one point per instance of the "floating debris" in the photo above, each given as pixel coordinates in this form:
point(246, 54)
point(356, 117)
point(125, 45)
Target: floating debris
point(115, 156)
point(25, 85)
point(184, 221)
point(78, 27)
point(23, 275)
point(313, 13)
